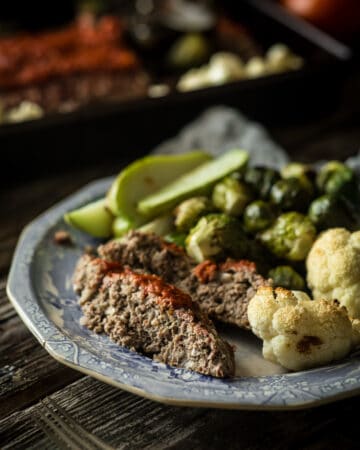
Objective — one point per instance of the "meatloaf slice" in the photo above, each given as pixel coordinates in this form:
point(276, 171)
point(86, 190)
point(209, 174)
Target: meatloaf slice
point(224, 290)
point(147, 315)
point(221, 290)
point(149, 253)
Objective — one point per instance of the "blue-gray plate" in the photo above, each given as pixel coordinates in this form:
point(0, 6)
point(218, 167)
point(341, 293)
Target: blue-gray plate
point(40, 289)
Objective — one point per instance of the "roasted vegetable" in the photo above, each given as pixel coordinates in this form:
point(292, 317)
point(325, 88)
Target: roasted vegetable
point(299, 333)
point(290, 194)
point(333, 269)
point(296, 169)
point(287, 277)
point(329, 211)
point(280, 58)
point(94, 218)
point(216, 236)
point(342, 183)
point(194, 182)
point(290, 237)
point(258, 215)
point(326, 173)
point(188, 212)
point(189, 50)
point(303, 172)
point(261, 180)
point(231, 196)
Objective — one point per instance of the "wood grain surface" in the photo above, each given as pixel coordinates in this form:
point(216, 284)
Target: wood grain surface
point(28, 374)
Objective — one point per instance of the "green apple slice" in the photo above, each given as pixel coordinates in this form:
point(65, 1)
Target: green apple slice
point(121, 226)
point(94, 218)
point(161, 226)
point(145, 176)
point(195, 182)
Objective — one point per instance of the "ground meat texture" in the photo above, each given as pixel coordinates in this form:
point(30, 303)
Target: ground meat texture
point(89, 274)
point(224, 290)
point(149, 253)
point(221, 290)
point(147, 315)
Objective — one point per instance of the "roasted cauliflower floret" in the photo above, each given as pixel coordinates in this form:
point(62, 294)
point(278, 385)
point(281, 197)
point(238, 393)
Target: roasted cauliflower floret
point(333, 268)
point(297, 332)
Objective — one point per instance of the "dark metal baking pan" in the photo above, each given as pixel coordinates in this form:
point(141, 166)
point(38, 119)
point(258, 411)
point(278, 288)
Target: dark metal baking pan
point(124, 130)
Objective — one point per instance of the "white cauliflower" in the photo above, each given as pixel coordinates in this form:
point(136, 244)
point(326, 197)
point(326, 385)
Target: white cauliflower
point(297, 332)
point(333, 268)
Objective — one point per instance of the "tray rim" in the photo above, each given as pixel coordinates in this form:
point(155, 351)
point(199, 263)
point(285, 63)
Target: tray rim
point(340, 56)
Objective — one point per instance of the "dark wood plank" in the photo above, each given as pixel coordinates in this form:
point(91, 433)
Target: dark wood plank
point(129, 422)
point(27, 372)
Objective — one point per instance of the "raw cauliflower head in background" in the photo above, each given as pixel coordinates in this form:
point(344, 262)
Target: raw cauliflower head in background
point(297, 332)
point(333, 268)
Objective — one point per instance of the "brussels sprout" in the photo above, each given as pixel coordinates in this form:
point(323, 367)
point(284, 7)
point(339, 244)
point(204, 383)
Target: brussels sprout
point(290, 194)
point(216, 236)
point(327, 171)
point(177, 238)
point(287, 277)
point(258, 215)
point(188, 212)
point(290, 237)
point(342, 183)
point(328, 211)
point(296, 169)
point(303, 172)
point(231, 196)
point(335, 178)
point(261, 180)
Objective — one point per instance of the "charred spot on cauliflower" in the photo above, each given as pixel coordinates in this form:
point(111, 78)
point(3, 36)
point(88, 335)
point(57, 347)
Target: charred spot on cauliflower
point(297, 332)
point(333, 268)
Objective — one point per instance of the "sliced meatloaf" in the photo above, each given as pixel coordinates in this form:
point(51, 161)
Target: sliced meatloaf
point(221, 290)
point(147, 315)
point(149, 253)
point(224, 290)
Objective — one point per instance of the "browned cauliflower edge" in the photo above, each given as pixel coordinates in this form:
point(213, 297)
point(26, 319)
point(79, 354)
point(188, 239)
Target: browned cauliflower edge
point(300, 333)
point(333, 268)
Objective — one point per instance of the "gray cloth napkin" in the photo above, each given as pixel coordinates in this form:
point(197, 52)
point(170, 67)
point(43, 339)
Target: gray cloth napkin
point(222, 128)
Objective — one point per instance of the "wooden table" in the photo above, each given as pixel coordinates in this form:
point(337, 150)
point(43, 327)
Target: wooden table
point(28, 374)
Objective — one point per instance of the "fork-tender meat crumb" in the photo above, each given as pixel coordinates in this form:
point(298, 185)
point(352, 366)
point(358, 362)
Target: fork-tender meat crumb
point(221, 290)
point(62, 237)
point(224, 290)
point(145, 314)
point(149, 253)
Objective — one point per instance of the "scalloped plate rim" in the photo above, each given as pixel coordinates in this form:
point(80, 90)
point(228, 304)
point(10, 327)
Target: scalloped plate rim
point(24, 299)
